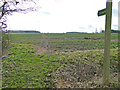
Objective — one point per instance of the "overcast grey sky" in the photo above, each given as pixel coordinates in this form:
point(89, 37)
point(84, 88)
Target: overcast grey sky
point(64, 16)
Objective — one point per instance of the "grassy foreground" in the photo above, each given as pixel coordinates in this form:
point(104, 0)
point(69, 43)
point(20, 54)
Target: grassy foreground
point(23, 68)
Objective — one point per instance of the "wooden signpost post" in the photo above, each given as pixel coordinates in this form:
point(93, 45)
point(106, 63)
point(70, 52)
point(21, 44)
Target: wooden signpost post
point(106, 64)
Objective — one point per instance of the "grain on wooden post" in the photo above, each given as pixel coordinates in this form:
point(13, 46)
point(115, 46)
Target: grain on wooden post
point(106, 64)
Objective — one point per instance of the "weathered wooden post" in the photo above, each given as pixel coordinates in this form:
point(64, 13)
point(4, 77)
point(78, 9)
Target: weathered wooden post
point(106, 64)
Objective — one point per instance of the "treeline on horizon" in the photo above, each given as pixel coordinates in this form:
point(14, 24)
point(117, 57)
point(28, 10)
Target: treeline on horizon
point(22, 31)
point(112, 31)
point(32, 31)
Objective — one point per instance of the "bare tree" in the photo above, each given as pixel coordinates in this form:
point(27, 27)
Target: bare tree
point(7, 7)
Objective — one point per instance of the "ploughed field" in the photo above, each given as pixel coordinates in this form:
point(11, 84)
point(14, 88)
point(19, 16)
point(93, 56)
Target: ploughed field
point(67, 42)
point(60, 60)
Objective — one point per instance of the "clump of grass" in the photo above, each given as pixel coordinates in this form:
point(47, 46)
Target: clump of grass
point(24, 69)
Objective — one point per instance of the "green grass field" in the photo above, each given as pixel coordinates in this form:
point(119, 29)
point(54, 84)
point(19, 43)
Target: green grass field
point(37, 60)
point(66, 41)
